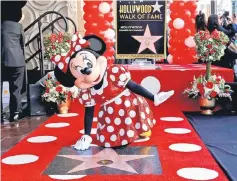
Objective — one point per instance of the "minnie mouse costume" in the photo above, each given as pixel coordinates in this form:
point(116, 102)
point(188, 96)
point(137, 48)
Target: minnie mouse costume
point(124, 113)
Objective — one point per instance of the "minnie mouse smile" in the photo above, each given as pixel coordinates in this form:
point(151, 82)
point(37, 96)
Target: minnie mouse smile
point(124, 113)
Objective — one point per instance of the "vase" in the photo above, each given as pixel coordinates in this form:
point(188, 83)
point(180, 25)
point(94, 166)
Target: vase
point(64, 106)
point(207, 105)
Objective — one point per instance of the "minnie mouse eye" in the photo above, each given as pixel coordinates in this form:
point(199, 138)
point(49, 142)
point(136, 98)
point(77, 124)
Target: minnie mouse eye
point(88, 63)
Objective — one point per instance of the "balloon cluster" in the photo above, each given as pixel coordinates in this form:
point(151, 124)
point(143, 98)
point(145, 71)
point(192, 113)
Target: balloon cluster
point(99, 17)
point(182, 30)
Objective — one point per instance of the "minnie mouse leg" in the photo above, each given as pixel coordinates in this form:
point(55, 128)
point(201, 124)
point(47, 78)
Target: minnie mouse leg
point(157, 98)
point(84, 142)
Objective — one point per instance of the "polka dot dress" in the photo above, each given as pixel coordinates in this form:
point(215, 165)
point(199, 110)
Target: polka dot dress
point(123, 115)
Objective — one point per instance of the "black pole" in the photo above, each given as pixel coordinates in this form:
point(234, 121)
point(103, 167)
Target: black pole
point(41, 47)
point(213, 7)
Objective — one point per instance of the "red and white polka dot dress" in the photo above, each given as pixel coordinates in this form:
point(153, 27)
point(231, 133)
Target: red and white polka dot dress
point(123, 115)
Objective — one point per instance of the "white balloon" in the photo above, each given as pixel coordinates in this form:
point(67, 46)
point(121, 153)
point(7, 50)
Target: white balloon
point(178, 23)
point(189, 42)
point(109, 33)
point(104, 7)
point(170, 58)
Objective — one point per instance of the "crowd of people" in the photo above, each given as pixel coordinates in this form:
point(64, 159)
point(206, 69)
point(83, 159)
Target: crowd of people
point(226, 25)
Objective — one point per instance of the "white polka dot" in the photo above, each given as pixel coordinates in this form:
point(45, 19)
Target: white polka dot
point(149, 121)
point(57, 58)
point(97, 136)
point(122, 77)
point(143, 115)
point(127, 103)
point(115, 70)
point(67, 59)
point(113, 137)
point(112, 77)
point(124, 142)
point(74, 44)
point(122, 132)
point(171, 119)
point(66, 177)
point(127, 93)
point(102, 138)
point(107, 120)
point(177, 130)
point(107, 145)
point(78, 47)
point(142, 140)
point(93, 131)
point(110, 129)
point(57, 125)
point(85, 97)
point(196, 173)
point(98, 125)
point(120, 83)
point(147, 110)
point(130, 133)
point(110, 110)
point(118, 101)
point(132, 114)
point(67, 115)
point(74, 37)
point(152, 84)
point(121, 112)
point(128, 75)
point(63, 54)
point(82, 41)
point(101, 113)
point(137, 125)
point(144, 127)
point(95, 119)
point(117, 121)
point(135, 101)
point(128, 121)
point(140, 99)
point(122, 68)
point(154, 121)
point(20, 159)
point(185, 147)
point(41, 139)
point(60, 65)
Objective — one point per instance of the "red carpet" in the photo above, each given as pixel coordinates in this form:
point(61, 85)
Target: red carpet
point(171, 161)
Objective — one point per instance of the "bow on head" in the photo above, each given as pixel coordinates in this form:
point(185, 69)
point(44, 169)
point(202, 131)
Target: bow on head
point(77, 44)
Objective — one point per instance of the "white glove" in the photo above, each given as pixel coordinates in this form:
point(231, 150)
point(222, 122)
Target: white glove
point(162, 97)
point(83, 143)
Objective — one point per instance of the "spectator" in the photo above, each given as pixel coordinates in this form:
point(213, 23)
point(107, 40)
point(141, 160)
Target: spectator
point(12, 54)
point(200, 22)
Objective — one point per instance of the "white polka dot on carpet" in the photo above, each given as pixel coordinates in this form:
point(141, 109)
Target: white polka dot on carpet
point(68, 115)
point(196, 173)
point(20, 159)
point(41, 139)
point(185, 147)
point(57, 125)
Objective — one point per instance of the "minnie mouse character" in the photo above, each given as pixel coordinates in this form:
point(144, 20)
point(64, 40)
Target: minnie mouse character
point(124, 113)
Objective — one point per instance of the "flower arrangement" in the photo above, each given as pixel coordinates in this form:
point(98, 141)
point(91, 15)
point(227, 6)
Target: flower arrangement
point(57, 93)
point(56, 44)
point(213, 88)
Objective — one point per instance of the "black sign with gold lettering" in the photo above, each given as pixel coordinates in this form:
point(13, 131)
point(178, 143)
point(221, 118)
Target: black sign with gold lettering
point(141, 29)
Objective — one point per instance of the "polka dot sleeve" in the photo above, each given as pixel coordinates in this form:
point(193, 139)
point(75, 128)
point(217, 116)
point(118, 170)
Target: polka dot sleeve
point(86, 99)
point(119, 75)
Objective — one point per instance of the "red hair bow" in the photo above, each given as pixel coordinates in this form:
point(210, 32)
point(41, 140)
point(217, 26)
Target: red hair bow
point(77, 43)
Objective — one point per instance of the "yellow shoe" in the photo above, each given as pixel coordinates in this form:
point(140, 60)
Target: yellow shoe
point(146, 134)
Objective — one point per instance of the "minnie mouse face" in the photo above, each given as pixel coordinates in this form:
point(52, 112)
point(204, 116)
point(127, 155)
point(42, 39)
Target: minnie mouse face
point(86, 66)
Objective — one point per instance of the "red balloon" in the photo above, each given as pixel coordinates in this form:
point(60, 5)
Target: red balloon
point(94, 9)
point(170, 24)
point(174, 15)
point(191, 5)
point(175, 6)
point(87, 16)
point(101, 17)
point(174, 33)
point(109, 17)
point(172, 50)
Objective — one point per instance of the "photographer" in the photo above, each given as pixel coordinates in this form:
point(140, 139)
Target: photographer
point(225, 19)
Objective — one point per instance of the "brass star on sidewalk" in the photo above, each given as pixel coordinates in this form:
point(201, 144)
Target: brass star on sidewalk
point(107, 157)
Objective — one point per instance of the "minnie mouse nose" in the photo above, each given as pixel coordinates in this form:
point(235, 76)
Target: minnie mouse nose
point(86, 71)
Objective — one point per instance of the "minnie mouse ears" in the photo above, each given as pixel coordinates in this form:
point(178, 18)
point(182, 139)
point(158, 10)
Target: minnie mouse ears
point(91, 42)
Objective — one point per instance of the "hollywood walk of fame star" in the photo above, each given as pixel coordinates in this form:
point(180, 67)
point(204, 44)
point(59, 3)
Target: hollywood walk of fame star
point(107, 157)
point(156, 7)
point(147, 41)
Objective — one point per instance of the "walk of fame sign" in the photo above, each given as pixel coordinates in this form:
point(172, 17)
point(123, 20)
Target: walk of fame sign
point(141, 29)
point(106, 161)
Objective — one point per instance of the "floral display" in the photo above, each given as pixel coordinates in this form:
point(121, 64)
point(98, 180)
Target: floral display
point(210, 46)
point(56, 92)
point(213, 88)
point(56, 44)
